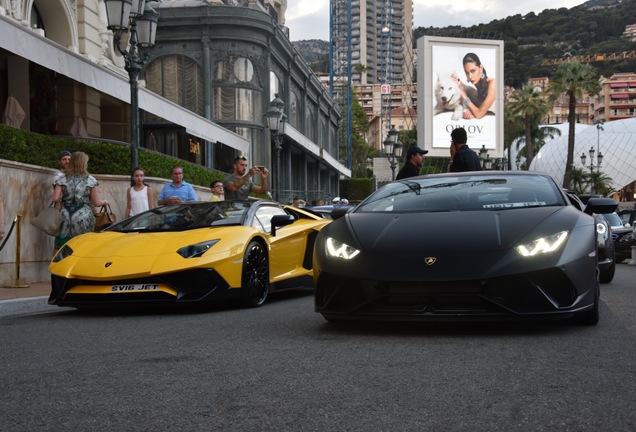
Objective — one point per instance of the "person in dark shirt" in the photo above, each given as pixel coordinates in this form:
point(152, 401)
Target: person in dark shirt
point(414, 161)
point(462, 157)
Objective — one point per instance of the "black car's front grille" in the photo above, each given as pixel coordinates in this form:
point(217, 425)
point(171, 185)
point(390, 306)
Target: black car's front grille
point(541, 292)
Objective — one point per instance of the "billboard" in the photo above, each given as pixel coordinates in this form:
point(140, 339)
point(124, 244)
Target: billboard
point(460, 84)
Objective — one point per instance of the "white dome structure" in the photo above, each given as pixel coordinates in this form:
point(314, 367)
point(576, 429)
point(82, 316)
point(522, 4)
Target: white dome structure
point(617, 142)
point(563, 127)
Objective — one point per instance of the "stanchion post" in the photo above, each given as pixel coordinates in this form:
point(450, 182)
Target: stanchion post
point(17, 254)
point(633, 260)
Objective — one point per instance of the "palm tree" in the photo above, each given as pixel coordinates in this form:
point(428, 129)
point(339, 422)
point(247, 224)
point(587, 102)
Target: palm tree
point(538, 136)
point(573, 79)
point(514, 130)
point(580, 178)
point(528, 103)
point(601, 183)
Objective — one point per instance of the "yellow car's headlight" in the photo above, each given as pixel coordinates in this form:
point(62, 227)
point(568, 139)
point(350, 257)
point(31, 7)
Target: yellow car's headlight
point(338, 249)
point(196, 250)
point(543, 245)
point(64, 252)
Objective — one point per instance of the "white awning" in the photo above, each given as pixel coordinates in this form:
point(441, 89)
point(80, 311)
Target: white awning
point(27, 44)
point(314, 149)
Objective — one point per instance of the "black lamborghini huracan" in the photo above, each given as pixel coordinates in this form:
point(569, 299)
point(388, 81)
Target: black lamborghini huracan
point(485, 245)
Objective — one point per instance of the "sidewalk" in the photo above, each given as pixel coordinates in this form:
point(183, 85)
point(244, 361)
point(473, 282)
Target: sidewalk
point(38, 289)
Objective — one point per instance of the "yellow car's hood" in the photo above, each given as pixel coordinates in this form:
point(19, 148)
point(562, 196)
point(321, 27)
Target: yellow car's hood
point(110, 255)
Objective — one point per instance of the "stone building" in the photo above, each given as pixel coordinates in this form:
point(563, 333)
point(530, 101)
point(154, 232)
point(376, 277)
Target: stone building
point(58, 63)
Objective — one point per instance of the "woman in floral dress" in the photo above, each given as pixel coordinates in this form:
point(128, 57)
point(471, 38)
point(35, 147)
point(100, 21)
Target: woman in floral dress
point(75, 194)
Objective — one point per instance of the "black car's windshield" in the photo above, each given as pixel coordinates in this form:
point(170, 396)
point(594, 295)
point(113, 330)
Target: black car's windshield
point(187, 216)
point(464, 192)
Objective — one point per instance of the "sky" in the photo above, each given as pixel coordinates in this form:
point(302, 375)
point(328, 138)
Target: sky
point(309, 19)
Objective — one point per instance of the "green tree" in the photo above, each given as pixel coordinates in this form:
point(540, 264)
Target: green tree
point(538, 136)
point(573, 79)
point(600, 183)
point(359, 146)
point(528, 104)
point(579, 181)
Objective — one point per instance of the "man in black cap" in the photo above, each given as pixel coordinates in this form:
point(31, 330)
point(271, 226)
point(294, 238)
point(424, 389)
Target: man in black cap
point(414, 161)
point(462, 157)
point(63, 160)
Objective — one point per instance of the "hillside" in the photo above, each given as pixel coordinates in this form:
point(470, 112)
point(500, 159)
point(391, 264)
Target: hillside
point(593, 27)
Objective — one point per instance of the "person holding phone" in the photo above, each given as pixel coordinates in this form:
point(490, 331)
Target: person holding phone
point(239, 184)
point(462, 157)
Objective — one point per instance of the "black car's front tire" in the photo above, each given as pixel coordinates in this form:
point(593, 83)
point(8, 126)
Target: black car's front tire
point(606, 276)
point(255, 278)
point(590, 317)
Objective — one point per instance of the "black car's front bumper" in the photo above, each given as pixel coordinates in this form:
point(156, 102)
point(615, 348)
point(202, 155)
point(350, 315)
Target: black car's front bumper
point(541, 294)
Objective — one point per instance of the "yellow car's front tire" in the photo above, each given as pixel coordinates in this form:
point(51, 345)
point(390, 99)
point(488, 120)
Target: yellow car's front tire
point(255, 278)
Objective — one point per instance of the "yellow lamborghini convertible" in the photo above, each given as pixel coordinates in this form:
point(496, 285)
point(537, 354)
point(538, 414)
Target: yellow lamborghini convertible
point(186, 253)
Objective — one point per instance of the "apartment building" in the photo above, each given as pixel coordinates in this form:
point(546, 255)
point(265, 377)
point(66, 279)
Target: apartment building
point(380, 37)
point(617, 99)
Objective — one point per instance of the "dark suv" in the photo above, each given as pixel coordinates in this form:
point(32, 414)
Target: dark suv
point(627, 216)
point(622, 235)
point(604, 244)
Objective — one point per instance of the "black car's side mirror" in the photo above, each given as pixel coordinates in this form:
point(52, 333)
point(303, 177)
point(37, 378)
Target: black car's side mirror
point(601, 205)
point(339, 212)
point(280, 221)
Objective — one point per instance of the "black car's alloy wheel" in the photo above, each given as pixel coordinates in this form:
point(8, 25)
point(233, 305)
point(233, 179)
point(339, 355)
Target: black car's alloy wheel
point(255, 280)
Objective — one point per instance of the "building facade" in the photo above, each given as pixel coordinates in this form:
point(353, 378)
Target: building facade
point(397, 108)
point(617, 99)
point(380, 39)
point(200, 101)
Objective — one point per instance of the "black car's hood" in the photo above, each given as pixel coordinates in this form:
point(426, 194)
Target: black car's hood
point(463, 244)
point(473, 232)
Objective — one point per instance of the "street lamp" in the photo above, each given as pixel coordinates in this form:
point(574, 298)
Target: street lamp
point(599, 128)
point(141, 20)
point(393, 150)
point(599, 159)
point(486, 162)
point(275, 118)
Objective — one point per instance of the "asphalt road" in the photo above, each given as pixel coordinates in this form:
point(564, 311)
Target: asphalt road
point(283, 368)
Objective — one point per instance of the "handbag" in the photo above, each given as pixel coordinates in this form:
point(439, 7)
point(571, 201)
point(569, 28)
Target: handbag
point(104, 218)
point(49, 220)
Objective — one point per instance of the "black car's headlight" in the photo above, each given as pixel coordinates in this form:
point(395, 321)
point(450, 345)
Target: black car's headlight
point(601, 228)
point(64, 252)
point(337, 249)
point(543, 245)
point(196, 250)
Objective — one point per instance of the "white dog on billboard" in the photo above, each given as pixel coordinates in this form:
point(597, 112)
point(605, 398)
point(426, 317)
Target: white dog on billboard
point(448, 96)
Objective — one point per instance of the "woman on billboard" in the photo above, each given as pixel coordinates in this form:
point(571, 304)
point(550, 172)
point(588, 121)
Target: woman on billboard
point(480, 105)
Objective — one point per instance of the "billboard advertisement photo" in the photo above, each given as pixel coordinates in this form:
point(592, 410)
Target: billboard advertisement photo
point(460, 84)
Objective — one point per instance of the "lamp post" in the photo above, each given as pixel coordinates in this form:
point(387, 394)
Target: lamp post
point(599, 128)
point(486, 162)
point(599, 159)
point(393, 150)
point(141, 20)
point(275, 119)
